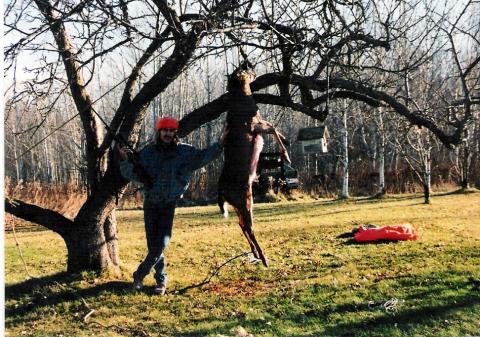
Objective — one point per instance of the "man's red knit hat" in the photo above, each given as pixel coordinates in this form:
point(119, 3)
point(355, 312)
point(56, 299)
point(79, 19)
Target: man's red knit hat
point(167, 123)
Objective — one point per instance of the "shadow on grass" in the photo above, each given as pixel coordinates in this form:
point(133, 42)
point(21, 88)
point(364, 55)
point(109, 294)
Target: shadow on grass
point(328, 320)
point(425, 318)
point(51, 290)
point(280, 213)
point(294, 210)
point(313, 208)
point(428, 317)
point(309, 313)
point(352, 241)
point(386, 198)
point(457, 192)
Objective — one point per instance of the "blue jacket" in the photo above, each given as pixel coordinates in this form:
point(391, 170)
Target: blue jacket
point(170, 170)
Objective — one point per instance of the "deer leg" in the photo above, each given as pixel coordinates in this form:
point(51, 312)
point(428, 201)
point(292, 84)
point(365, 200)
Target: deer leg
point(246, 217)
point(242, 226)
point(278, 137)
point(257, 149)
point(249, 233)
point(266, 127)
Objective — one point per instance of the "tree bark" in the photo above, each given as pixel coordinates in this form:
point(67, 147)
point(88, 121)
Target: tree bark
point(426, 193)
point(110, 230)
point(427, 178)
point(93, 246)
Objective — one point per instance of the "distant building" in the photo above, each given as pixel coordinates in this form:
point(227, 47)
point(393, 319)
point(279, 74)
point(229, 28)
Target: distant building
point(313, 140)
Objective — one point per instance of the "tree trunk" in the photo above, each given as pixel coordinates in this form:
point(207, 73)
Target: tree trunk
point(426, 192)
point(465, 166)
point(381, 154)
point(428, 173)
point(344, 161)
point(17, 161)
point(464, 184)
point(427, 179)
point(93, 246)
point(110, 229)
point(381, 172)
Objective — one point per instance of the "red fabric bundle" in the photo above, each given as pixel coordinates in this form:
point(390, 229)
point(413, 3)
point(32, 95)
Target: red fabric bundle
point(395, 233)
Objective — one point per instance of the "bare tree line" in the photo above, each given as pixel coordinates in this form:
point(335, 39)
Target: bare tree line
point(58, 159)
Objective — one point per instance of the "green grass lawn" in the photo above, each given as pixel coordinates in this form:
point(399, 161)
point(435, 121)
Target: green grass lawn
point(317, 284)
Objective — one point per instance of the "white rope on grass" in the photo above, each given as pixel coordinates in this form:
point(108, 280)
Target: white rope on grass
point(389, 306)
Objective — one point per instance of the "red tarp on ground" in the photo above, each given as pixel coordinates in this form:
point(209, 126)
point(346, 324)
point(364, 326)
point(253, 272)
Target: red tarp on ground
point(399, 232)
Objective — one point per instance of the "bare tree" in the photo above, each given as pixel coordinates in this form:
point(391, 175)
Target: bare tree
point(416, 148)
point(319, 50)
point(466, 60)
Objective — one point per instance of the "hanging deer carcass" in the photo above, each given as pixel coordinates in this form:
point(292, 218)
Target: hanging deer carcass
point(242, 148)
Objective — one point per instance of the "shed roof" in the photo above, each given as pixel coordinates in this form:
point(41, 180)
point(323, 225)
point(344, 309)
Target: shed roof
point(311, 133)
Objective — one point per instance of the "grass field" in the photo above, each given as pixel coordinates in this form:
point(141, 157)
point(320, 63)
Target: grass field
point(318, 284)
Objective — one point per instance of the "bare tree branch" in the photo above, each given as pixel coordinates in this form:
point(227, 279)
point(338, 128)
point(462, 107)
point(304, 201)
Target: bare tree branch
point(42, 216)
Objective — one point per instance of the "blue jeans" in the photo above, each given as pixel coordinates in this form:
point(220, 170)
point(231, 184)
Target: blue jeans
point(158, 229)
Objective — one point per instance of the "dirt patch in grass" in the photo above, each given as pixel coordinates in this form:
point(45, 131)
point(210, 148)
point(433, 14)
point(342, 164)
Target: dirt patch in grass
point(238, 288)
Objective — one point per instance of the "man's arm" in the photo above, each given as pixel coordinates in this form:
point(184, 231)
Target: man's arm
point(201, 158)
point(132, 169)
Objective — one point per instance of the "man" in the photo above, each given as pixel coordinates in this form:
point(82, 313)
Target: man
point(170, 164)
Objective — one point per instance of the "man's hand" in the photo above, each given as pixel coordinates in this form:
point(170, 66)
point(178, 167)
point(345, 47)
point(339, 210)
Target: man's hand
point(123, 152)
point(246, 77)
